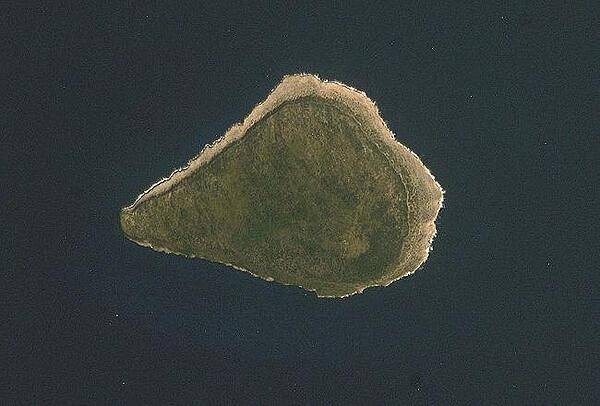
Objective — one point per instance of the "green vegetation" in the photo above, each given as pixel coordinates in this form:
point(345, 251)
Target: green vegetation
point(306, 197)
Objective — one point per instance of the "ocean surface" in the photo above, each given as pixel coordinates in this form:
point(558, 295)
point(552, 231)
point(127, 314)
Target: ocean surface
point(496, 101)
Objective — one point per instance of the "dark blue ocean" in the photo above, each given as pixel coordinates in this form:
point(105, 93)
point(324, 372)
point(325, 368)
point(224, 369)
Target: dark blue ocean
point(495, 98)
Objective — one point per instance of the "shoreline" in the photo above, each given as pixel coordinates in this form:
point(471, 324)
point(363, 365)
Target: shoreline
point(404, 161)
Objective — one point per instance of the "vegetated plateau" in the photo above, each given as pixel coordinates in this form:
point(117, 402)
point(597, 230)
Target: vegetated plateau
point(311, 189)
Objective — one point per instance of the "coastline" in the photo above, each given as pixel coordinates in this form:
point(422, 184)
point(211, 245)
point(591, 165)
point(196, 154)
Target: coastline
point(416, 177)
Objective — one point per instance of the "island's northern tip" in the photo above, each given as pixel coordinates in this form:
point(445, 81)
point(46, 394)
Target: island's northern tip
point(311, 189)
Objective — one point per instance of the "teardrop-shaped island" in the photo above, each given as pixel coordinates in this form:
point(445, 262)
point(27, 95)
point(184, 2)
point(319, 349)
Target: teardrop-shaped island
point(311, 189)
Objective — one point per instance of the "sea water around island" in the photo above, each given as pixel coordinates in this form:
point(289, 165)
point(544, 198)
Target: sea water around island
point(424, 331)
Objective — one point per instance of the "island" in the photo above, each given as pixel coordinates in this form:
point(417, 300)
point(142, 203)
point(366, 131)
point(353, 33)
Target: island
point(312, 189)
